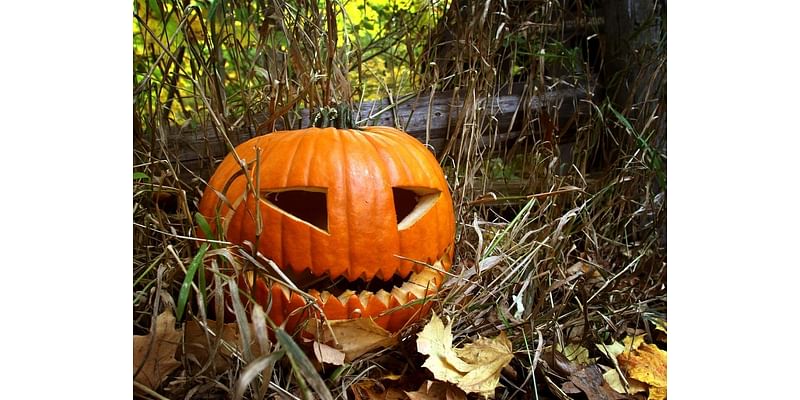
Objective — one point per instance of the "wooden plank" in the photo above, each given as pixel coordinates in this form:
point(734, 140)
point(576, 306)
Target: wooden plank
point(432, 120)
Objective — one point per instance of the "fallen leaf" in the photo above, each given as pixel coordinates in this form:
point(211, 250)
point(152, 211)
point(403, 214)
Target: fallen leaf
point(372, 393)
point(632, 342)
point(590, 380)
point(615, 382)
point(576, 353)
point(370, 389)
point(557, 391)
point(384, 387)
point(644, 366)
point(660, 324)
point(593, 277)
point(200, 344)
point(657, 393)
point(436, 341)
point(433, 390)
point(661, 330)
point(353, 337)
point(475, 368)
point(327, 354)
point(154, 353)
point(570, 388)
point(611, 350)
point(490, 356)
point(647, 364)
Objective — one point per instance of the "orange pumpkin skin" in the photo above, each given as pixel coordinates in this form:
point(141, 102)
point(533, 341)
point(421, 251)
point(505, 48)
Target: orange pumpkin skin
point(357, 178)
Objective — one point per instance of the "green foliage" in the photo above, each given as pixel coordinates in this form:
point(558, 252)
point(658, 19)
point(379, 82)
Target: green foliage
point(235, 57)
point(197, 264)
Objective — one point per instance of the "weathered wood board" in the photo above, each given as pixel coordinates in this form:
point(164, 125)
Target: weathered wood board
point(431, 119)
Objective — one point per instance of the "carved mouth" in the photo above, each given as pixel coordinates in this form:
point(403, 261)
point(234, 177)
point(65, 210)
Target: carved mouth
point(387, 302)
point(416, 286)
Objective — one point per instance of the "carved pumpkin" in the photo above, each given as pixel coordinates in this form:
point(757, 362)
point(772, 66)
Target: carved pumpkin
point(345, 214)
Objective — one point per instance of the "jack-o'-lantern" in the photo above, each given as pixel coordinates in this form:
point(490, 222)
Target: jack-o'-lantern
point(360, 219)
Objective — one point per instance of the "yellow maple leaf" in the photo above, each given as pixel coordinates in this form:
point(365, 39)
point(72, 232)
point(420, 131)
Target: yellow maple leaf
point(475, 368)
point(154, 353)
point(489, 356)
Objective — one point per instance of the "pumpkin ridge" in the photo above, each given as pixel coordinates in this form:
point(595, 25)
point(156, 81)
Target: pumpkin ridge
point(284, 178)
point(383, 172)
point(348, 195)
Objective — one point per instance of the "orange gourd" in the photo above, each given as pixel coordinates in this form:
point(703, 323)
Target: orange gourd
point(353, 216)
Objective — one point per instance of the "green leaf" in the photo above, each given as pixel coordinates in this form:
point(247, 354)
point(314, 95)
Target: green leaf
point(203, 224)
point(183, 296)
point(138, 176)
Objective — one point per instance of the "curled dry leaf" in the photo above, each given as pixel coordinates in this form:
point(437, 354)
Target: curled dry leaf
point(327, 354)
point(353, 337)
point(154, 353)
point(475, 368)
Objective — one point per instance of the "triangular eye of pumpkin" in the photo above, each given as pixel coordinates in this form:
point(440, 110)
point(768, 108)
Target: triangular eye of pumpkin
point(411, 204)
point(309, 206)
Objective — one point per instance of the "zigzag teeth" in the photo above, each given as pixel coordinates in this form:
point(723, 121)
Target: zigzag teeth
point(420, 284)
point(383, 296)
point(345, 296)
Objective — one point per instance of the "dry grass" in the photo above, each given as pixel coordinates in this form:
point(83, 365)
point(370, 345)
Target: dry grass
point(554, 243)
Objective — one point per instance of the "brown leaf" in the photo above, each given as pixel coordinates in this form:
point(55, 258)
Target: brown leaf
point(372, 391)
point(570, 388)
point(434, 390)
point(557, 391)
point(199, 344)
point(590, 380)
point(560, 363)
point(354, 337)
point(155, 352)
point(327, 354)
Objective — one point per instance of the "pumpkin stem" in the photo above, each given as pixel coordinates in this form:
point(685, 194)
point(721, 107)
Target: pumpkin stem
point(338, 117)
